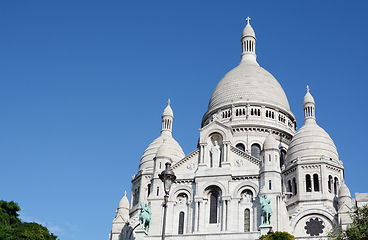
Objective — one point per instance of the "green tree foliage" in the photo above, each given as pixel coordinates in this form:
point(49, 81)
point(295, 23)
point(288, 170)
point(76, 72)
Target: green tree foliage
point(357, 230)
point(278, 236)
point(12, 228)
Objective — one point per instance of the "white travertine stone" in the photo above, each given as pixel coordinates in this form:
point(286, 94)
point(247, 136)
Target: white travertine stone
point(270, 143)
point(361, 199)
point(311, 141)
point(248, 83)
point(244, 135)
point(146, 163)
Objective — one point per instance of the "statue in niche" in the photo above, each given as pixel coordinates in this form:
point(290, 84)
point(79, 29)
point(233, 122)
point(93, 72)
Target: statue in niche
point(266, 211)
point(145, 217)
point(247, 196)
point(182, 198)
point(215, 154)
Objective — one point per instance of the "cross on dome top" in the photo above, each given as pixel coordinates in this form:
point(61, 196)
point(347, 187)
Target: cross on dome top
point(248, 18)
point(168, 102)
point(307, 88)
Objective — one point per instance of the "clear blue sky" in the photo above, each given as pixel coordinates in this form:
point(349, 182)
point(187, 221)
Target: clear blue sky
point(84, 84)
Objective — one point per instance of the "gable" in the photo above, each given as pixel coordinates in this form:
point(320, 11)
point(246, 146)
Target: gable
point(186, 167)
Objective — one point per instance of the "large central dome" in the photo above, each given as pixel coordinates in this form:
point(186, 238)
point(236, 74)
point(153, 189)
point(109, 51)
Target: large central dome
point(249, 83)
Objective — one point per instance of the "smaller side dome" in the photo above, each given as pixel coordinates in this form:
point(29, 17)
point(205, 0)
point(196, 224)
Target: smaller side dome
point(176, 152)
point(311, 141)
point(123, 209)
point(124, 202)
point(344, 196)
point(270, 142)
point(163, 150)
point(344, 191)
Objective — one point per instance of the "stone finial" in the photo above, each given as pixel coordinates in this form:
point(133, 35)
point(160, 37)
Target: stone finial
point(307, 88)
point(168, 102)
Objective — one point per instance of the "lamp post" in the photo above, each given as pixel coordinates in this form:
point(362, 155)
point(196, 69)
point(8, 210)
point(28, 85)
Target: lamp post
point(167, 177)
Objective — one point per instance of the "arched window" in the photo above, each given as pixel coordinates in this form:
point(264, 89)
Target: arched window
point(330, 182)
point(315, 182)
point(246, 220)
point(181, 223)
point(308, 183)
point(269, 185)
point(282, 157)
point(256, 150)
point(295, 189)
point(158, 191)
point(148, 189)
point(213, 207)
point(269, 158)
point(336, 184)
point(241, 146)
point(290, 189)
point(135, 197)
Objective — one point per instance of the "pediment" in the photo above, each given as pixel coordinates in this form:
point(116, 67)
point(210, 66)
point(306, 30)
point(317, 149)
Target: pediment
point(344, 208)
point(119, 219)
point(188, 165)
point(217, 127)
point(244, 156)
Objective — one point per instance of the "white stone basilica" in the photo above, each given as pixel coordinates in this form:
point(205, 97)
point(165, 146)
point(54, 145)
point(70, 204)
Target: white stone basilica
point(248, 147)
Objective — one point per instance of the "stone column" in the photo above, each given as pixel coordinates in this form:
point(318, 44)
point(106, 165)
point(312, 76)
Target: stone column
point(223, 152)
point(202, 149)
point(197, 214)
point(196, 208)
point(222, 214)
point(225, 211)
point(263, 112)
point(324, 180)
point(188, 226)
point(206, 153)
point(226, 150)
point(247, 110)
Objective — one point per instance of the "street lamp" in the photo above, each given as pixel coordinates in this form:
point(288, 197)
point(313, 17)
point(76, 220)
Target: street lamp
point(167, 177)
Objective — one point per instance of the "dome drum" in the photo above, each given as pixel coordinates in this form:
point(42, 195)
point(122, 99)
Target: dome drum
point(251, 115)
point(241, 130)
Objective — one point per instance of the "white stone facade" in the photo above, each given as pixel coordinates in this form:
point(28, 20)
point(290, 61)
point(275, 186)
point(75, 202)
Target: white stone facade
point(248, 146)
